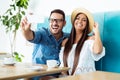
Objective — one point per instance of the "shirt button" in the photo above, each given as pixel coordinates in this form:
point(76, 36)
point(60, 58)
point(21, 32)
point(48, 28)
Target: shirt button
point(53, 46)
point(56, 47)
point(48, 53)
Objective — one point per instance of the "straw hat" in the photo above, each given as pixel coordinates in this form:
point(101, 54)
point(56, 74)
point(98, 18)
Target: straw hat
point(87, 13)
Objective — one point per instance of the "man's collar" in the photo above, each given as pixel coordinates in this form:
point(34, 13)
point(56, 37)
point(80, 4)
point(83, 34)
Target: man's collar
point(49, 33)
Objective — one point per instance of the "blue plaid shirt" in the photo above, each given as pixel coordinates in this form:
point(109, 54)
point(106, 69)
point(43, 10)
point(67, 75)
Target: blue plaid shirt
point(46, 46)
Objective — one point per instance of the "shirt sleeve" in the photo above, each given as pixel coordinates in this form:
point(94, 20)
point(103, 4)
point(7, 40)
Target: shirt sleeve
point(61, 57)
point(95, 56)
point(37, 37)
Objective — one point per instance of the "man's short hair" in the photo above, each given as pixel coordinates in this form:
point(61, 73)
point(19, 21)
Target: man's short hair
point(58, 11)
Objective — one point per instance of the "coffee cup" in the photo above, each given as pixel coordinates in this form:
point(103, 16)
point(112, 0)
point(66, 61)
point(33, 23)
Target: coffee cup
point(52, 63)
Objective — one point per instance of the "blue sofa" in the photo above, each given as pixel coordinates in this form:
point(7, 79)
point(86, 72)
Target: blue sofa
point(110, 31)
point(109, 23)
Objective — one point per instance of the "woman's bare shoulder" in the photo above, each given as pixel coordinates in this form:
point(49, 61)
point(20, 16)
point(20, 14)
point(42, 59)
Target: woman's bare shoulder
point(64, 42)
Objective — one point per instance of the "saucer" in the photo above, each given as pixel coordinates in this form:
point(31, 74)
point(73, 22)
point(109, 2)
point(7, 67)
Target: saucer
point(36, 68)
point(9, 64)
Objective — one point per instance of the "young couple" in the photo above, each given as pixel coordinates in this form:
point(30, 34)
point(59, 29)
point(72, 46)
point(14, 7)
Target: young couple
point(75, 50)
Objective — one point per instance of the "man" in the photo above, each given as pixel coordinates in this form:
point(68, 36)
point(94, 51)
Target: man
point(47, 40)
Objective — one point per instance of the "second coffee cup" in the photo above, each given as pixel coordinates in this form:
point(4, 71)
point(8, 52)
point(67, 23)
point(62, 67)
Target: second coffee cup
point(52, 63)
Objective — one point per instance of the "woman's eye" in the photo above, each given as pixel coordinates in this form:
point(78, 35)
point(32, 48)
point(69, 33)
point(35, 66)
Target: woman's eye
point(77, 18)
point(84, 20)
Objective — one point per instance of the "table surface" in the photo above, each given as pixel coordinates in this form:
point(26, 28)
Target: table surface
point(97, 75)
point(23, 70)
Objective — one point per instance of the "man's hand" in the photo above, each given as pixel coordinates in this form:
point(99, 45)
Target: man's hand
point(27, 32)
point(25, 26)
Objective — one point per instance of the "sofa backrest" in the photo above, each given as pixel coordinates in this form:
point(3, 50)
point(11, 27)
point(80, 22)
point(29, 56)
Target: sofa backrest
point(111, 41)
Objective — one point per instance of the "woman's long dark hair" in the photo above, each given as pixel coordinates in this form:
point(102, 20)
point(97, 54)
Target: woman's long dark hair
point(69, 44)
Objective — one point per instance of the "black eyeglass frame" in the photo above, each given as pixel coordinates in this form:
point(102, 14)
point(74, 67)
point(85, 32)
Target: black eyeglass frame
point(56, 20)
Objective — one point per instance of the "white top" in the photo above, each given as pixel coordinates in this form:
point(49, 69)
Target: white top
point(86, 59)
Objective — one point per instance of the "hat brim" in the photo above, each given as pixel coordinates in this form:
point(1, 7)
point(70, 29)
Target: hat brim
point(87, 13)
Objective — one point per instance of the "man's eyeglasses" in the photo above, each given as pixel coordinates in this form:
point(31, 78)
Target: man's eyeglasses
point(56, 20)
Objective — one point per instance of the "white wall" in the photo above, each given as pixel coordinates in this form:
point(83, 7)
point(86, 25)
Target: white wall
point(42, 8)
point(22, 46)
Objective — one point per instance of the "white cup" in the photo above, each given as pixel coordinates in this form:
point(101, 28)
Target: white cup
point(52, 63)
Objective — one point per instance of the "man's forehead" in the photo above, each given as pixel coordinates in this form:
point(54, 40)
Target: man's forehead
point(56, 15)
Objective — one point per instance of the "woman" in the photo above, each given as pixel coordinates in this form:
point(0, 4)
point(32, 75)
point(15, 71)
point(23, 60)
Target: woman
point(80, 51)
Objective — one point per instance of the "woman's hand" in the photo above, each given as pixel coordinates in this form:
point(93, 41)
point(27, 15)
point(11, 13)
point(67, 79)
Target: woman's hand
point(97, 48)
point(96, 28)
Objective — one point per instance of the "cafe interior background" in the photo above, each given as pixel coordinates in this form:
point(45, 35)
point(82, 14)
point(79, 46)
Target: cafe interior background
point(41, 9)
